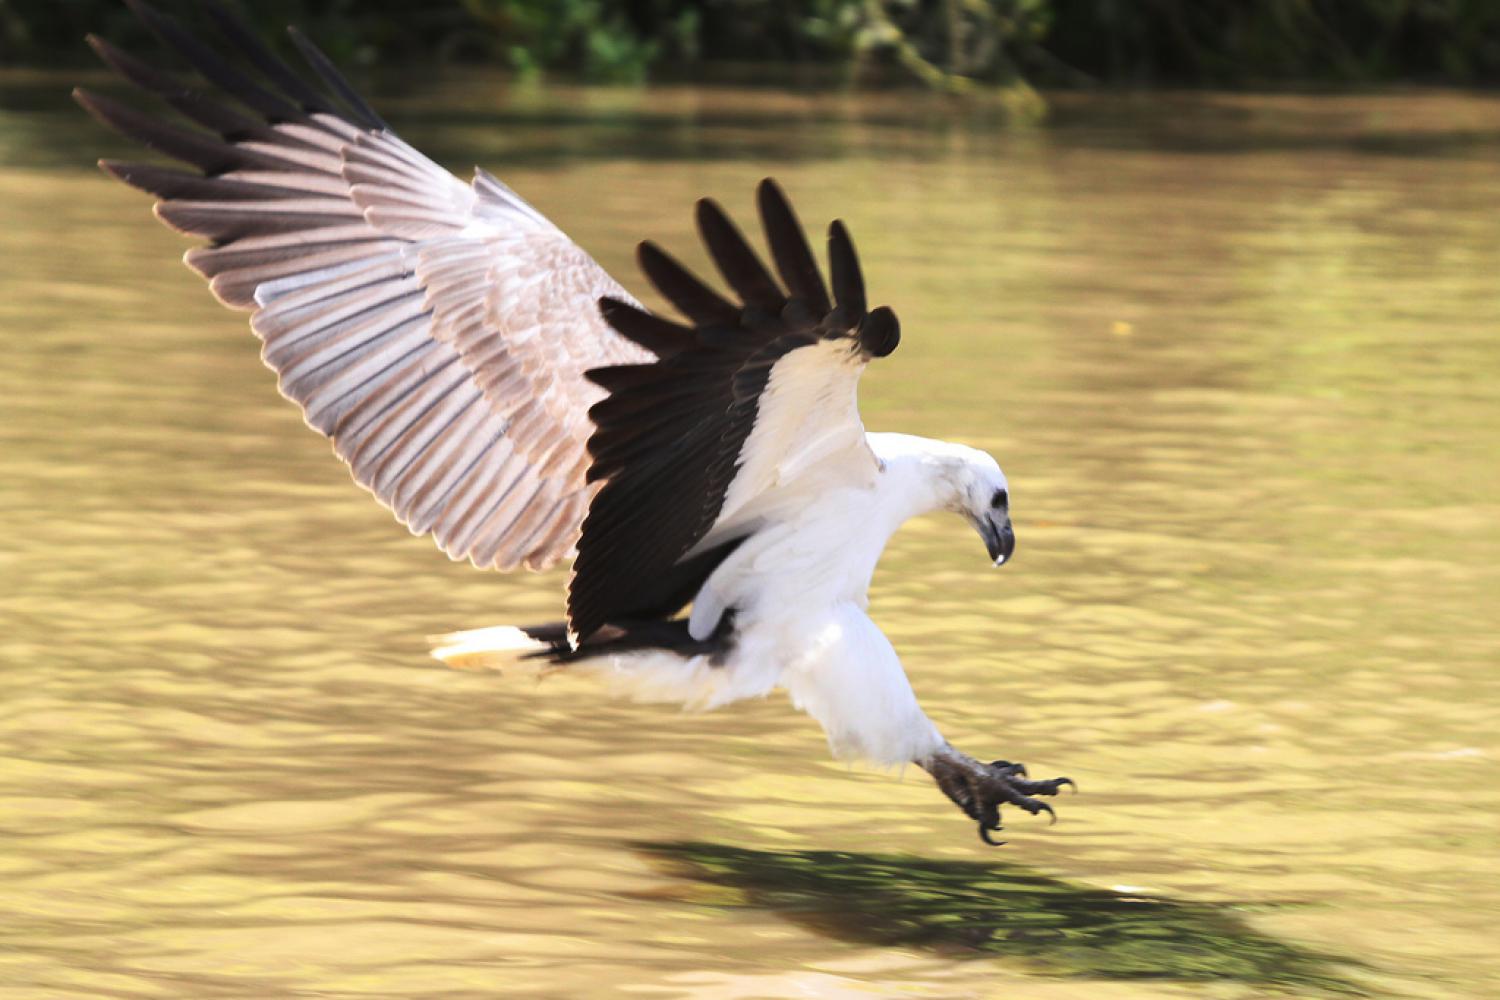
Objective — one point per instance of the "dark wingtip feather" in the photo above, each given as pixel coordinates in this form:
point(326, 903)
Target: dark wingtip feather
point(880, 333)
point(843, 266)
point(85, 99)
point(659, 336)
point(194, 105)
point(330, 75)
point(213, 66)
point(204, 151)
point(736, 261)
point(128, 174)
point(789, 249)
point(249, 43)
point(679, 286)
point(615, 377)
point(141, 176)
point(130, 69)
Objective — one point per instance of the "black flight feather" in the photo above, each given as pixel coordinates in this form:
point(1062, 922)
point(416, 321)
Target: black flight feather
point(677, 285)
point(843, 270)
point(789, 249)
point(732, 255)
point(659, 336)
point(192, 103)
point(617, 377)
point(214, 68)
point(331, 76)
point(249, 44)
point(669, 437)
point(207, 152)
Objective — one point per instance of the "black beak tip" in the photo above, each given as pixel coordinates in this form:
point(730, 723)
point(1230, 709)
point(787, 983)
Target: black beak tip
point(1001, 544)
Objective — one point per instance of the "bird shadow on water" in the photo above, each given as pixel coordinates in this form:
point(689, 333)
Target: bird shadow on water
point(1002, 910)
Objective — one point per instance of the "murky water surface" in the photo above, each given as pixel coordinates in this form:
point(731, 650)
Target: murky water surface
point(1238, 356)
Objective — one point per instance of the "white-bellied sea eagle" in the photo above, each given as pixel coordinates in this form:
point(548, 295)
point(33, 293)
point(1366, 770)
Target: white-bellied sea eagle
point(485, 379)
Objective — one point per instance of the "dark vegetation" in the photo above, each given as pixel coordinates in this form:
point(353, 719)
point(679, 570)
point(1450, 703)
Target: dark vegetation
point(951, 44)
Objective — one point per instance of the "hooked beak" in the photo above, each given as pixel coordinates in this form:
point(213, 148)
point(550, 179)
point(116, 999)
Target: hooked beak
point(999, 537)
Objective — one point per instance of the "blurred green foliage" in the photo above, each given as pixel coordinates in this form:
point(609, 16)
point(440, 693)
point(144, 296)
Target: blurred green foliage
point(944, 43)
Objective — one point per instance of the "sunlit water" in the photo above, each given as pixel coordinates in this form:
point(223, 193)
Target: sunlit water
point(1239, 359)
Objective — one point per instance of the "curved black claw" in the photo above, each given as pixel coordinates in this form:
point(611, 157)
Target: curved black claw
point(984, 835)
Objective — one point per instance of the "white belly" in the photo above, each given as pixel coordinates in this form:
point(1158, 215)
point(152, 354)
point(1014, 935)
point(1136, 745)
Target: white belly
point(798, 591)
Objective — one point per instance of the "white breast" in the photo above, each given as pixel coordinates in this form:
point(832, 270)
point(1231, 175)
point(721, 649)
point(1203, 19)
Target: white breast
point(821, 551)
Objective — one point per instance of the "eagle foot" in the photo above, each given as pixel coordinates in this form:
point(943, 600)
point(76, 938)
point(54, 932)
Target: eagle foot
point(981, 789)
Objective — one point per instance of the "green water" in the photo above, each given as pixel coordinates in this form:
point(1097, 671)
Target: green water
point(1238, 358)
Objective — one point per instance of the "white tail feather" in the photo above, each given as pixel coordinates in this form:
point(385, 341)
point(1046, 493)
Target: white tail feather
point(650, 675)
point(484, 648)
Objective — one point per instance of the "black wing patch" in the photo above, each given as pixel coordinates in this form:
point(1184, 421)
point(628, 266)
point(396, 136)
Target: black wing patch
point(669, 436)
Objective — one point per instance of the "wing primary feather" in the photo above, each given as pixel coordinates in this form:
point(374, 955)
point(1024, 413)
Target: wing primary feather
point(170, 183)
point(207, 152)
point(193, 104)
point(613, 378)
point(844, 273)
point(213, 67)
point(789, 249)
point(739, 265)
point(331, 76)
point(659, 336)
point(693, 298)
point(250, 45)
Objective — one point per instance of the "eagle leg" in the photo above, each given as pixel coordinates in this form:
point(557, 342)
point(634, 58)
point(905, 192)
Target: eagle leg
point(981, 789)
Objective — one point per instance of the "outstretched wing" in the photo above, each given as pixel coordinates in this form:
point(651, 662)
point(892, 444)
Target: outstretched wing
point(438, 332)
point(750, 403)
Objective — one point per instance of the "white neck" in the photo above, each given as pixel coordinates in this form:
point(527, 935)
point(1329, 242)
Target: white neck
point(825, 548)
point(918, 475)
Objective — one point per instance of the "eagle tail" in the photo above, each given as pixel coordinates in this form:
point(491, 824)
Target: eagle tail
point(655, 661)
point(500, 646)
point(503, 646)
